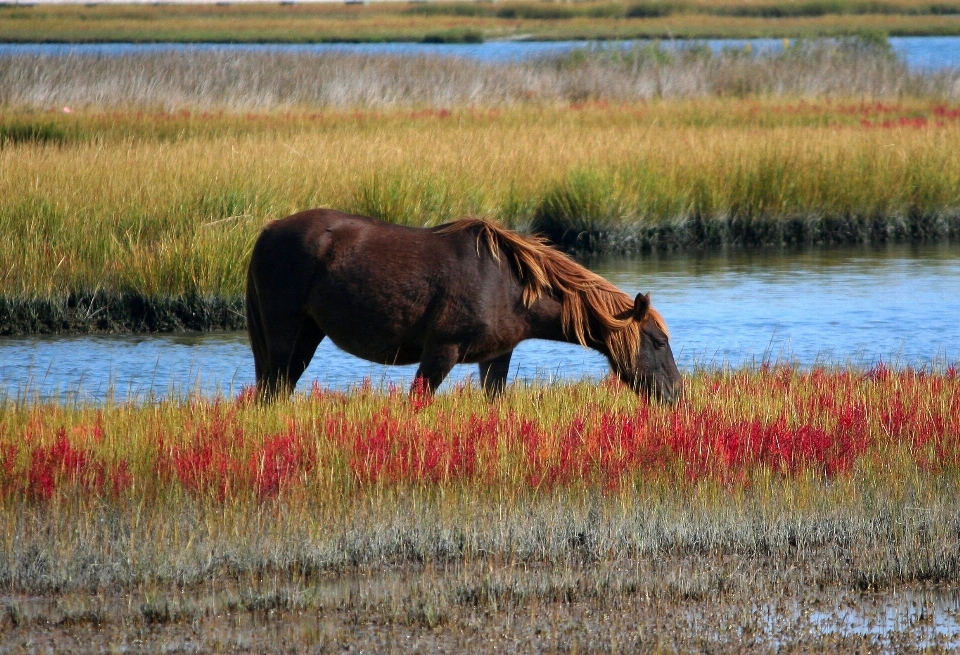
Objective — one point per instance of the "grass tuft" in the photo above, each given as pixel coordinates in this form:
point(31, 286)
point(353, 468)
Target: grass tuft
point(581, 212)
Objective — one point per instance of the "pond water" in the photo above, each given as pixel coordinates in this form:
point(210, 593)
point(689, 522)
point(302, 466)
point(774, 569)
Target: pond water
point(919, 52)
point(890, 621)
point(837, 306)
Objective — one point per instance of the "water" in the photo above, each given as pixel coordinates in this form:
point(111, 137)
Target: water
point(837, 306)
point(919, 52)
point(888, 620)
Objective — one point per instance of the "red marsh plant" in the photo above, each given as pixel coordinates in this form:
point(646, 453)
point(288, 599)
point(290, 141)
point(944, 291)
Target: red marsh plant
point(732, 426)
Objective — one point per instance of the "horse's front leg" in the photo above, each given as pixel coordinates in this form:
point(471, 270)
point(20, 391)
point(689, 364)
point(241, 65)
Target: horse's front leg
point(493, 374)
point(435, 363)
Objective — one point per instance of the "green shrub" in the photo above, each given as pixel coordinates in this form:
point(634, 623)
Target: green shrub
point(31, 132)
point(652, 9)
point(616, 10)
point(536, 11)
point(454, 36)
point(450, 9)
point(787, 10)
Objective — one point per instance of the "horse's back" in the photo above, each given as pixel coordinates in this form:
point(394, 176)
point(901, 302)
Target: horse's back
point(327, 234)
point(378, 290)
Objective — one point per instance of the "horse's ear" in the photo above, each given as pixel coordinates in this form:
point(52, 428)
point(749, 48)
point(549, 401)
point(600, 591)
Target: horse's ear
point(640, 306)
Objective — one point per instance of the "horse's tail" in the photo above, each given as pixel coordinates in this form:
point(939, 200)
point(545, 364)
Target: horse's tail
point(258, 340)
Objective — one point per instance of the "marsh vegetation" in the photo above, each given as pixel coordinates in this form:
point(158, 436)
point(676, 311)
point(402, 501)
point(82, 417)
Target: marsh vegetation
point(768, 488)
point(818, 144)
point(563, 517)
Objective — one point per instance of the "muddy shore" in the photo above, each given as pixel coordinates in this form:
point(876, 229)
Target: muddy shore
point(708, 604)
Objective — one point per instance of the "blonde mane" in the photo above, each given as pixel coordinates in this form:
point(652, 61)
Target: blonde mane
point(582, 294)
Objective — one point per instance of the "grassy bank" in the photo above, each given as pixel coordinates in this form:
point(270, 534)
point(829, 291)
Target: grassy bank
point(187, 194)
point(769, 487)
point(472, 21)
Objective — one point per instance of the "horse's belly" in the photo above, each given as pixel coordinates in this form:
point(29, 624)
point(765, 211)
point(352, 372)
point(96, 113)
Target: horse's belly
point(369, 323)
point(376, 348)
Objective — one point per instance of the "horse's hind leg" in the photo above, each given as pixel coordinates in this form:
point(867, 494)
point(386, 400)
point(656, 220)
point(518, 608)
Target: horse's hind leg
point(493, 374)
point(288, 353)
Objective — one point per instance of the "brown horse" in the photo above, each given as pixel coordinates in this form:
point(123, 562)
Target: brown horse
point(464, 292)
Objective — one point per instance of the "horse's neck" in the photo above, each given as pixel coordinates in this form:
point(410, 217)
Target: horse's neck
point(546, 322)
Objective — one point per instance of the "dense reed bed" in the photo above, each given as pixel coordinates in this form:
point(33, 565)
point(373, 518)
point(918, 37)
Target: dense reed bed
point(471, 21)
point(861, 67)
point(762, 485)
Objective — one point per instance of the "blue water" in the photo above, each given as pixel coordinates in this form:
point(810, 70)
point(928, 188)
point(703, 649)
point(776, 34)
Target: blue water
point(920, 52)
point(839, 306)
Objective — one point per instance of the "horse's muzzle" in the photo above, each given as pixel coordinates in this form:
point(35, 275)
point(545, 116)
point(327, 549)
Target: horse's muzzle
point(673, 394)
point(663, 392)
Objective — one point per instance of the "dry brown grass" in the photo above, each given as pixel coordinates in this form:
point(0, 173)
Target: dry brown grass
point(274, 81)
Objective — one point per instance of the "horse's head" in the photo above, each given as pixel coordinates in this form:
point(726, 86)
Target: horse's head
point(654, 371)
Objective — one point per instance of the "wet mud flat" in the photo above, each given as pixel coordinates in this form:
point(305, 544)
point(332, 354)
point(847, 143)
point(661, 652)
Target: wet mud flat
point(715, 603)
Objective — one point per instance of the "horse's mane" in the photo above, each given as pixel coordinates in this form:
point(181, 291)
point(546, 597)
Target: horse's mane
point(583, 295)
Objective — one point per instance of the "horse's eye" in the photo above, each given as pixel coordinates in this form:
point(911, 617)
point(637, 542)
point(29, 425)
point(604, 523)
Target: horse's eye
point(659, 343)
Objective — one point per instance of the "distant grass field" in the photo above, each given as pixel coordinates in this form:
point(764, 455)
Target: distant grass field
point(472, 21)
point(348, 516)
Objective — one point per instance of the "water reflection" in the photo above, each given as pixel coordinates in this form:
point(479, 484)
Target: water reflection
point(844, 306)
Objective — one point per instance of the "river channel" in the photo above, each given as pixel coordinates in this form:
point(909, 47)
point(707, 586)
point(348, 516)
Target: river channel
point(918, 52)
point(850, 306)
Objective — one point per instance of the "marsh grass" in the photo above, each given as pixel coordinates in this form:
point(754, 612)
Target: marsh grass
point(151, 191)
point(856, 486)
point(175, 219)
point(241, 81)
point(365, 517)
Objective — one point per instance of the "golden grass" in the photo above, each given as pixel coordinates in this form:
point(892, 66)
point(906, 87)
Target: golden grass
point(171, 205)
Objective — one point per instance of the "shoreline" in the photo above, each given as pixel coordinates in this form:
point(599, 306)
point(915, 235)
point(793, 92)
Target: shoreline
point(470, 38)
point(125, 312)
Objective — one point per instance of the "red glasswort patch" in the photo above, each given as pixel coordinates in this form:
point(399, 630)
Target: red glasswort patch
point(778, 419)
point(279, 461)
